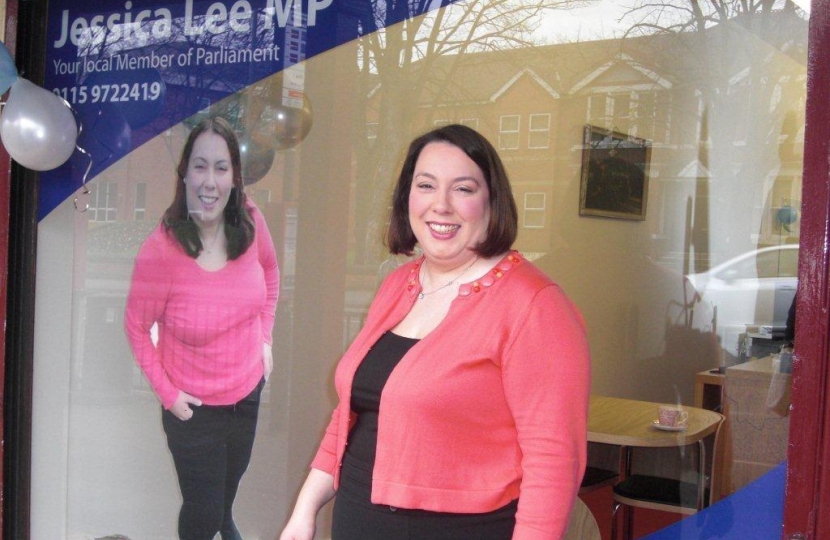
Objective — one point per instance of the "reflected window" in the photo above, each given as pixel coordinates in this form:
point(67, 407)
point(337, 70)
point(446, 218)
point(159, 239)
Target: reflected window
point(739, 87)
point(620, 109)
point(509, 131)
point(611, 110)
point(597, 111)
point(652, 117)
point(539, 131)
point(140, 201)
point(534, 210)
point(643, 114)
point(102, 202)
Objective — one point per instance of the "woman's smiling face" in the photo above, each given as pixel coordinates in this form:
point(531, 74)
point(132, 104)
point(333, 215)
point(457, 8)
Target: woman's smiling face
point(449, 205)
point(209, 179)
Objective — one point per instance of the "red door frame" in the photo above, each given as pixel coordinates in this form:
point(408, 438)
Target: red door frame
point(809, 444)
point(10, 38)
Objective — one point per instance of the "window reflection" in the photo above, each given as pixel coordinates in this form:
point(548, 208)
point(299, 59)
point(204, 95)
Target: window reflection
point(720, 98)
point(752, 292)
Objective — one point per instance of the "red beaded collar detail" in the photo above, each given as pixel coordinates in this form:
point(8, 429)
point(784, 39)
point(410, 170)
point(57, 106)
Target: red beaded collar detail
point(466, 289)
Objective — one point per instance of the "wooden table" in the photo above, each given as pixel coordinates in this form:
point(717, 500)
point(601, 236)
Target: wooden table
point(627, 423)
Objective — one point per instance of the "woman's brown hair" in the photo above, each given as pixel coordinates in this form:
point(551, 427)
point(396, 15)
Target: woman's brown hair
point(239, 225)
point(503, 226)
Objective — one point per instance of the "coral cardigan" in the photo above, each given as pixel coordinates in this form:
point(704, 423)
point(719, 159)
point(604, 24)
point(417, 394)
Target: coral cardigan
point(211, 324)
point(489, 407)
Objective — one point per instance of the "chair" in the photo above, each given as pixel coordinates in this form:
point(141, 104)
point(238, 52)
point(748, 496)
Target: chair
point(664, 494)
point(596, 478)
point(582, 524)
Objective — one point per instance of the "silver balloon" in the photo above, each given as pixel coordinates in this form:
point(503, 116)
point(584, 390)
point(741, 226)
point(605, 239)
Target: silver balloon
point(37, 127)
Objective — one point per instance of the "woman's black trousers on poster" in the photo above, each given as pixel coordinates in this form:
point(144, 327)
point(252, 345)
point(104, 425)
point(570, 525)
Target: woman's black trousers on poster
point(211, 452)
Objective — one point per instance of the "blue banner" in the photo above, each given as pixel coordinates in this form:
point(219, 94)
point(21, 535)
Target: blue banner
point(132, 72)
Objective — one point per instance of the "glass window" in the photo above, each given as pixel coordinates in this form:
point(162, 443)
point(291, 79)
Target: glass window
point(706, 123)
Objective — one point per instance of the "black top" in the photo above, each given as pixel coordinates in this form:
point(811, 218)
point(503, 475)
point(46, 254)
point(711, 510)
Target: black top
point(369, 380)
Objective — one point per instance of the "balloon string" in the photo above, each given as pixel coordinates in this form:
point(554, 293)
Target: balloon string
point(85, 192)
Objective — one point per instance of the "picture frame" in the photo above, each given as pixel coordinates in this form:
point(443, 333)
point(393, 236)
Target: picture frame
point(614, 181)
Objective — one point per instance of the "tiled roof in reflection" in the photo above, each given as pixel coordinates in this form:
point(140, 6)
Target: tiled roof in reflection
point(477, 78)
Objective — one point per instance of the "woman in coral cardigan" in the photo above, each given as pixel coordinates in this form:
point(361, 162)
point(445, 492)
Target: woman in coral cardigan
point(207, 279)
point(463, 400)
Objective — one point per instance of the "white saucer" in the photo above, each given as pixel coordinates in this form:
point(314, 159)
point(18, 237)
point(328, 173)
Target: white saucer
point(658, 425)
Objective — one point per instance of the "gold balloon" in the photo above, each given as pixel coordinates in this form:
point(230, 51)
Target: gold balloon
point(291, 124)
point(280, 112)
point(268, 116)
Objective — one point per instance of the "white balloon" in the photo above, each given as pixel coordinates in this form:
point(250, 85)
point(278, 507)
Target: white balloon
point(37, 127)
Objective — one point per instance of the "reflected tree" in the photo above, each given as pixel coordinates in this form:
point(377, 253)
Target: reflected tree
point(749, 79)
point(397, 64)
point(746, 63)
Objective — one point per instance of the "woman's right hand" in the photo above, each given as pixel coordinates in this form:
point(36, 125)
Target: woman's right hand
point(297, 530)
point(317, 490)
point(182, 408)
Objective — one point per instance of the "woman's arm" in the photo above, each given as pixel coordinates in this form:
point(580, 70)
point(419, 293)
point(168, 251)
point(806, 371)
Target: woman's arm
point(146, 302)
point(546, 374)
point(317, 490)
point(267, 256)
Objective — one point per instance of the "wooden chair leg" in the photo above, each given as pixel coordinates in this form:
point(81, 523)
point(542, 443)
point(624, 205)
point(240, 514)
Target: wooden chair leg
point(614, 511)
point(628, 513)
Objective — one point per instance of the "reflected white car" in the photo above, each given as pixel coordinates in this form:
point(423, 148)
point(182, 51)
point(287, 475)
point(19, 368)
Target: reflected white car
point(755, 288)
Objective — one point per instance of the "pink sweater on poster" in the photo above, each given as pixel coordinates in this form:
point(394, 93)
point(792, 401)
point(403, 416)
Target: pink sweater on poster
point(491, 406)
point(211, 324)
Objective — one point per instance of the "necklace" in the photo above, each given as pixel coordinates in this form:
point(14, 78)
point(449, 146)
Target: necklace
point(212, 244)
point(447, 284)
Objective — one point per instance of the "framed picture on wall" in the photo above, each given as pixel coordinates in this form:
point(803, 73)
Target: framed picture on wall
point(614, 174)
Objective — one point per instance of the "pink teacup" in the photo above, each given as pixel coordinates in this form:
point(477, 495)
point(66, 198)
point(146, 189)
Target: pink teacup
point(671, 415)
